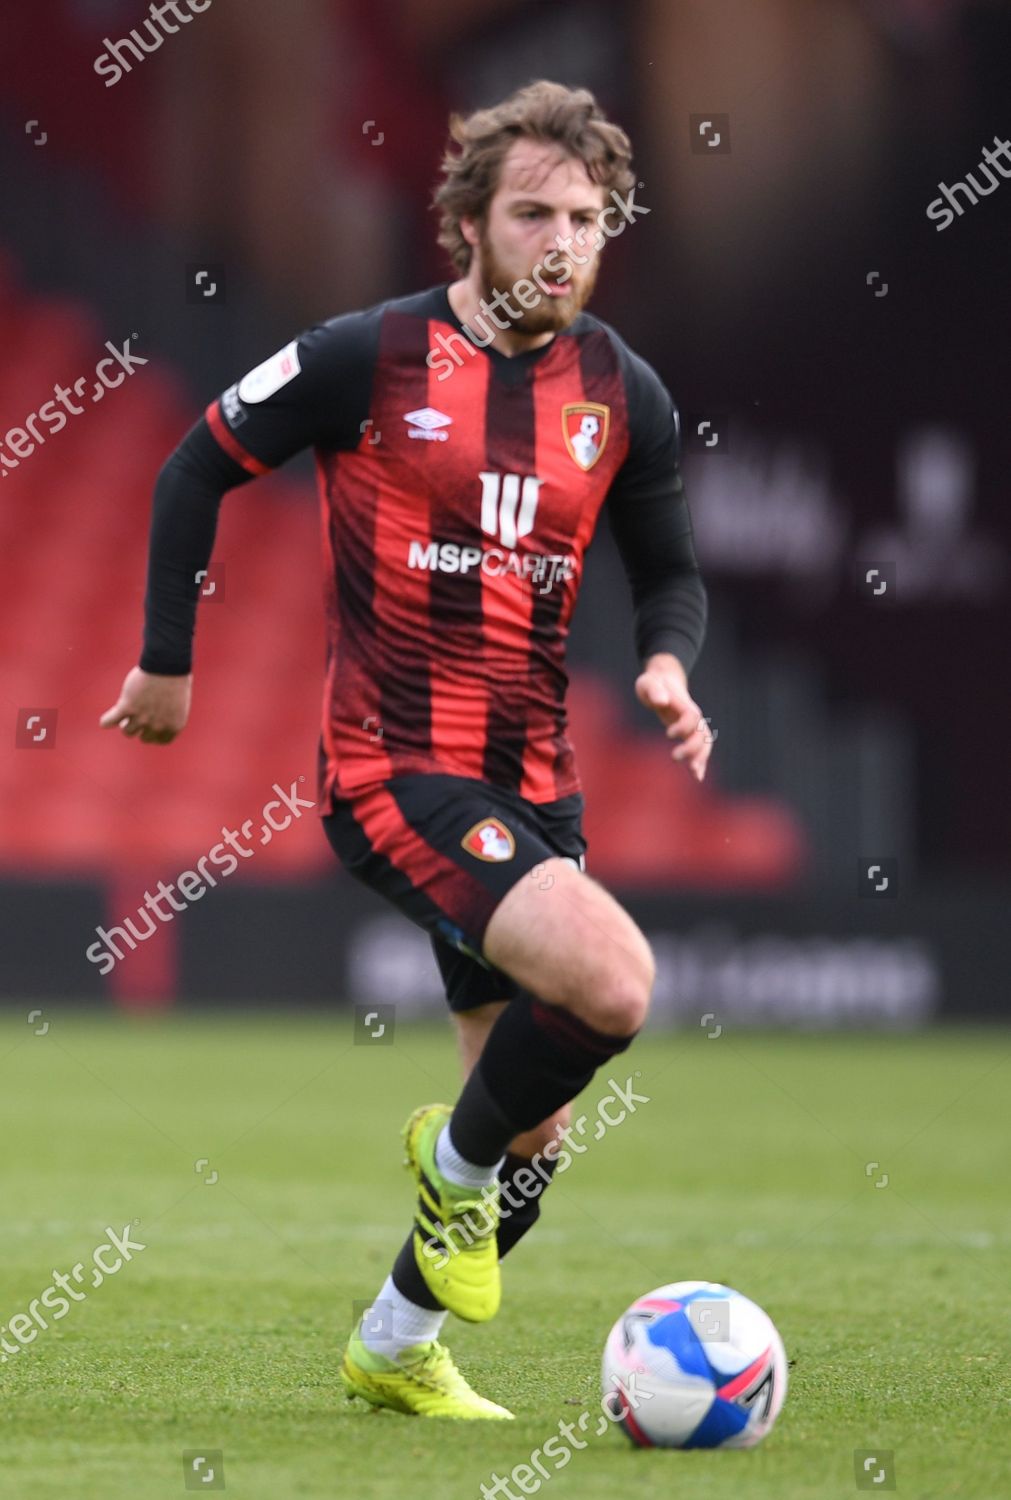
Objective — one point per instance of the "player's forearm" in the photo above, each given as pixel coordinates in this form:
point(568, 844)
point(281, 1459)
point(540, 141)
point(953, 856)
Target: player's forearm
point(653, 531)
point(670, 617)
point(187, 498)
point(183, 525)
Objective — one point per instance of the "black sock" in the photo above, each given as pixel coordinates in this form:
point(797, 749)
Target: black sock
point(408, 1280)
point(537, 1057)
point(515, 1222)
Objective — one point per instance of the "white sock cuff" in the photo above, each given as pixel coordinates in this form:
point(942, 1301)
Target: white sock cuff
point(394, 1322)
point(457, 1168)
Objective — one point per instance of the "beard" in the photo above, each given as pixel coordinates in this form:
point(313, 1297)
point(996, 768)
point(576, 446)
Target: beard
point(552, 314)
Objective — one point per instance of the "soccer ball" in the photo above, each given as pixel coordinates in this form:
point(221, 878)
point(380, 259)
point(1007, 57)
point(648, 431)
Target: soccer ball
point(694, 1365)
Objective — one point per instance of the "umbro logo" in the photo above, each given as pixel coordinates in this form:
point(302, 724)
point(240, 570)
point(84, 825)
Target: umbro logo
point(428, 423)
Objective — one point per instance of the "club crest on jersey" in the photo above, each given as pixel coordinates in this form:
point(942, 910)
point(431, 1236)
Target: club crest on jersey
point(489, 840)
point(585, 427)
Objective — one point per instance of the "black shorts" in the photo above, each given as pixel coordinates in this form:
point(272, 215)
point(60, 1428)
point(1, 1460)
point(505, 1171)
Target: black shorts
point(445, 850)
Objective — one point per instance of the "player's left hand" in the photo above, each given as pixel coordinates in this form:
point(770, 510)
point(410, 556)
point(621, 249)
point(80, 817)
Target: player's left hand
point(663, 687)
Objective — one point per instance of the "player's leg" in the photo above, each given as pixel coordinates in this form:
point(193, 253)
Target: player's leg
point(590, 970)
point(448, 853)
point(393, 1357)
point(566, 939)
point(519, 1209)
point(405, 1315)
point(458, 856)
point(406, 1292)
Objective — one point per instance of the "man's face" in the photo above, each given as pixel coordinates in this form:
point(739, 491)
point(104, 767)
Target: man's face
point(543, 216)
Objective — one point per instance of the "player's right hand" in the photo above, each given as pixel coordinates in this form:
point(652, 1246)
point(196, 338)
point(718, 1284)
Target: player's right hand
point(153, 707)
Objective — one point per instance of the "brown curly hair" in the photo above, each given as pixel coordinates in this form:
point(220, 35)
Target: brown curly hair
point(568, 118)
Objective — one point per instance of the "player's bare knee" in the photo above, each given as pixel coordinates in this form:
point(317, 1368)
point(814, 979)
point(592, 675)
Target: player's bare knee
point(643, 978)
point(611, 997)
point(569, 942)
point(619, 1008)
point(615, 995)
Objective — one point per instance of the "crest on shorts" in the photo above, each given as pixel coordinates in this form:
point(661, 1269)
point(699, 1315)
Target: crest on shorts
point(490, 840)
point(585, 426)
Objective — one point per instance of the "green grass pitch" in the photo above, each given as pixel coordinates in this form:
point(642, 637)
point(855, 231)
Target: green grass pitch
point(757, 1161)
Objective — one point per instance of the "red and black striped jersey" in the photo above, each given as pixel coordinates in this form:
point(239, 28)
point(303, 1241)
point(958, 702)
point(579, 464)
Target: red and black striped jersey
point(460, 489)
